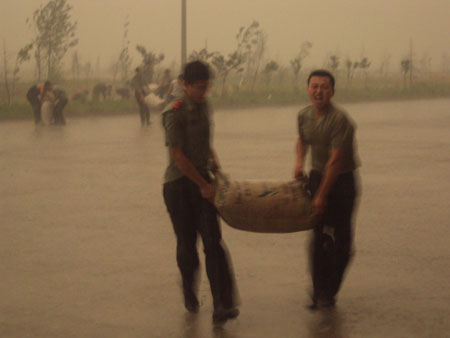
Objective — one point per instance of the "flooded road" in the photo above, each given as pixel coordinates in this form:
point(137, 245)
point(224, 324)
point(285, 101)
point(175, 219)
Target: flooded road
point(87, 248)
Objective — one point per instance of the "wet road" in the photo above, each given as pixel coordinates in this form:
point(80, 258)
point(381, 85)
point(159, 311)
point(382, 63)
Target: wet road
point(87, 249)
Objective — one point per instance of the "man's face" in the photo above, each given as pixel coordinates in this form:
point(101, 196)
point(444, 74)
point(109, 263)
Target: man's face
point(320, 91)
point(197, 91)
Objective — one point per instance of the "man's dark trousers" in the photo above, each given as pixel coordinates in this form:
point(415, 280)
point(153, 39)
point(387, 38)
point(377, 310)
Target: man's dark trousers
point(144, 111)
point(191, 214)
point(330, 256)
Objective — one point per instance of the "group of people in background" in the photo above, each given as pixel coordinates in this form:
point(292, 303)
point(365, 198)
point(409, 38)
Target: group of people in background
point(141, 84)
point(56, 98)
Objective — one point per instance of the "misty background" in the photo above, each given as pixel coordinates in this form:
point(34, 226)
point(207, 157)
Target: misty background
point(379, 29)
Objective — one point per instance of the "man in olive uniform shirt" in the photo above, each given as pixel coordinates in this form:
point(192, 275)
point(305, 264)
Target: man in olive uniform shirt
point(329, 133)
point(188, 191)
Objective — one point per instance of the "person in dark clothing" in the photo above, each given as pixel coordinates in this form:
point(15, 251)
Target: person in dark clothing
point(139, 86)
point(329, 133)
point(35, 97)
point(61, 101)
point(101, 90)
point(165, 84)
point(188, 193)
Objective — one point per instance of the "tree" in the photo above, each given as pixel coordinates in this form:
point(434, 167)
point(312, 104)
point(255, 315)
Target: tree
point(406, 66)
point(87, 69)
point(224, 66)
point(149, 61)
point(202, 55)
point(364, 64)
point(75, 67)
point(333, 63)
point(5, 74)
point(124, 63)
point(55, 35)
point(350, 68)
point(270, 67)
point(251, 42)
point(297, 62)
point(10, 83)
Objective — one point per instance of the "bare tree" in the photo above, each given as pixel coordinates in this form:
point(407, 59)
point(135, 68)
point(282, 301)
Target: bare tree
point(251, 42)
point(124, 56)
point(350, 68)
point(149, 61)
point(364, 64)
point(6, 74)
point(75, 67)
point(297, 62)
point(269, 69)
point(224, 66)
point(333, 63)
point(406, 66)
point(55, 35)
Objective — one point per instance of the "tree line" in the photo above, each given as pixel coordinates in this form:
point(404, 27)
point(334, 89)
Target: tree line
point(246, 65)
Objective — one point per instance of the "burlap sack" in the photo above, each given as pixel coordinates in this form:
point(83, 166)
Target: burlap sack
point(47, 112)
point(263, 206)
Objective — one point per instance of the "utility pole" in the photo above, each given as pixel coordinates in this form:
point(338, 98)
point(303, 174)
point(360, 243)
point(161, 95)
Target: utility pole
point(183, 33)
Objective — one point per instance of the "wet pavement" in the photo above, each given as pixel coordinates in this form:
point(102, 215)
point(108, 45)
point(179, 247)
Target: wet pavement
point(87, 249)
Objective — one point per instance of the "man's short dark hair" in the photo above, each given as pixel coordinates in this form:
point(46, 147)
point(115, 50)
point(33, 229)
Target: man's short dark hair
point(196, 71)
point(322, 72)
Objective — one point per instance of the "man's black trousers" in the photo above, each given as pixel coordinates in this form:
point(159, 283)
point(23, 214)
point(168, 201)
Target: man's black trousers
point(192, 215)
point(144, 111)
point(331, 245)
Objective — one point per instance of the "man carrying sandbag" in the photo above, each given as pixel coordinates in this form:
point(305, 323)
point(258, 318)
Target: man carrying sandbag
point(188, 191)
point(329, 133)
point(139, 85)
point(35, 96)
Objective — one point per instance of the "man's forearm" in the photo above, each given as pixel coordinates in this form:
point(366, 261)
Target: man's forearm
point(331, 172)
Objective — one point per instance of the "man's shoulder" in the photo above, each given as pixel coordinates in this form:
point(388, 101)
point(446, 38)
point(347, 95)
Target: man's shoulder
point(340, 116)
point(174, 105)
point(338, 112)
point(305, 111)
point(174, 110)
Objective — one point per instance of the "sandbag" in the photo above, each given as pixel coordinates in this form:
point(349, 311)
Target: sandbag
point(263, 206)
point(47, 112)
point(154, 102)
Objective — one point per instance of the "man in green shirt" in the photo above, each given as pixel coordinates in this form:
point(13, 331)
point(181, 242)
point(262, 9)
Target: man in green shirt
point(188, 191)
point(329, 133)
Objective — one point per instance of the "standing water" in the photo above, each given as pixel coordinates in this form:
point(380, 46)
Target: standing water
point(87, 248)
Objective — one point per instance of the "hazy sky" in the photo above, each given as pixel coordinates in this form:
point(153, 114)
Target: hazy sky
point(351, 28)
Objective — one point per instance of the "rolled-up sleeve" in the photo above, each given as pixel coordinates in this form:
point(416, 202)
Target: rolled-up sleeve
point(172, 123)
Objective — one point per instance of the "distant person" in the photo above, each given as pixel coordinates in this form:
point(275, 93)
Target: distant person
point(328, 132)
point(139, 85)
point(123, 92)
point(35, 97)
point(60, 103)
point(80, 96)
point(175, 89)
point(164, 84)
point(188, 192)
point(101, 90)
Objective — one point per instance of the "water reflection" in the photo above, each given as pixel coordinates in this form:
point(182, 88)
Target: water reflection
point(190, 325)
point(328, 323)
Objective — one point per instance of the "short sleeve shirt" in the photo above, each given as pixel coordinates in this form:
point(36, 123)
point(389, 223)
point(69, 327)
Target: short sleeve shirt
point(187, 125)
point(334, 130)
